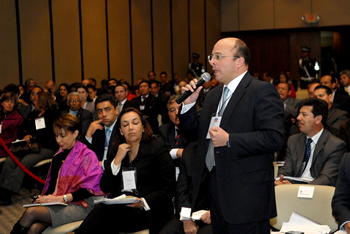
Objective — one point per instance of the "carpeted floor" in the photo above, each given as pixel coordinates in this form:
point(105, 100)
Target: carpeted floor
point(9, 215)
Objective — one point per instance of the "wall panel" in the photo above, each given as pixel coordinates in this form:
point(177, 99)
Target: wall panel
point(180, 37)
point(229, 15)
point(161, 36)
point(35, 40)
point(332, 12)
point(197, 29)
point(9, 70)
point(213, 31)
point(65, 14)
point(288, 13)
point(256, 15)
point(119, 39)
point(94, 39)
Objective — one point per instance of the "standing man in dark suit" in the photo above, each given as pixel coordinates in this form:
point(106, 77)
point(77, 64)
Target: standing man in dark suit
point(101, 133)
point(313, 154)
point(235, 146)
point(341, 198)
point(85, 116)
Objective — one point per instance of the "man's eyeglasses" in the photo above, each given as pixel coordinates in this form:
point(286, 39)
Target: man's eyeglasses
point(76, 100)
point(219, 57)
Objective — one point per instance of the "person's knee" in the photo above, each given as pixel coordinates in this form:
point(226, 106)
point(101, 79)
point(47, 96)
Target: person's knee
point(37, 228)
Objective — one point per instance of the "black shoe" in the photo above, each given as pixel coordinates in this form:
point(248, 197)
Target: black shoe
point(19, 229)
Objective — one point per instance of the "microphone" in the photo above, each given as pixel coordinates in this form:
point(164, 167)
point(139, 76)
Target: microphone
point(205, 77)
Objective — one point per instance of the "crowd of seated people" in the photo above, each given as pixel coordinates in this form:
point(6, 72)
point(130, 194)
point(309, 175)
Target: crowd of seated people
point(317, 133)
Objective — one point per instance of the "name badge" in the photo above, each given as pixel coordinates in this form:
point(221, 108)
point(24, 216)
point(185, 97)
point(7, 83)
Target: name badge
point(215, 122)
point(129, 180)
point(142, 107)
point(40, 123)
point(0, 127)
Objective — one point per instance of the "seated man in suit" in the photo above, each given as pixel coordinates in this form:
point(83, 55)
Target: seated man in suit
point(162, 100)
point(335, 116)
point(179, 224)
point(170, 133)
point(314, 153)
point(147, 104)
point(121, 94)
point(85, 116)
point(101, 133)
point(341, 198)
point(340, 97)
point(290, 104)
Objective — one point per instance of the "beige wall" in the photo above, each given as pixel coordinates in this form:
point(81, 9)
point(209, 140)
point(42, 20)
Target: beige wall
point(123, 39)
point(243, 15)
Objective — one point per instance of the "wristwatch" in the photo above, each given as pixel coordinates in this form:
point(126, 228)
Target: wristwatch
point(228, 144)
point(65, 198)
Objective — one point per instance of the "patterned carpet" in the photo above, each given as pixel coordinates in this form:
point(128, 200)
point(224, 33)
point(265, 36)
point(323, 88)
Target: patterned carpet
point(9, 215)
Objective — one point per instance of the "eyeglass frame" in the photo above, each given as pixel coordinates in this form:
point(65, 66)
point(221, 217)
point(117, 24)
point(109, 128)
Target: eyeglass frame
point(218, 57)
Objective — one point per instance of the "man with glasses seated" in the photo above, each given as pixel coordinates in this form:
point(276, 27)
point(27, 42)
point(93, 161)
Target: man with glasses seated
point(102, 132)
point(25, 109)
point(85, 116)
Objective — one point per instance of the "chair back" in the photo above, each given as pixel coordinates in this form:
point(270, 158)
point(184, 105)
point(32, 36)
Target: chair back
point(317, 209)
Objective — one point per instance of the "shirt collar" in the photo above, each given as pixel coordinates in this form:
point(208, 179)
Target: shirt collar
point(235, 82)
point(316, 137)
point(112, 126)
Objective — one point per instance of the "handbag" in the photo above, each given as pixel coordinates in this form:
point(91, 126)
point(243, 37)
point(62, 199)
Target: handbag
point(24, 148)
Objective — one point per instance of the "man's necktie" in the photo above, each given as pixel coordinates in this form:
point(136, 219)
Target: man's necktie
point(119, 108)
point(108, 136)
point(209, 159)
point(177, 139)
point(308, 150)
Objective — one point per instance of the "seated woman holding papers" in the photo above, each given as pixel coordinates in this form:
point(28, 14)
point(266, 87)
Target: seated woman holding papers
point(143, 169)
point(74, 177)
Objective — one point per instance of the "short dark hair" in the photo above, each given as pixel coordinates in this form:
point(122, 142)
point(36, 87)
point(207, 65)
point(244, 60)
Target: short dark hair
point(68, 122)
point(319, 107)
point(289, 87)
point(152, 72)
point(105, 97)
point(345, 72)
point(155, 82)
point(12, 88)
point(147, 134)
point(163, 73)
point(242, 50)
point(113, 79)
point(91, 86)
point(119, 84)
point(328, 90)
point(144, 81)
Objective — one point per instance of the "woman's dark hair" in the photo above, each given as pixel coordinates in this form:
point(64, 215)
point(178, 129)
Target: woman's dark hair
point(46, 101)
point(12, 88)
point(8, 96)
point(68, 122)
point(88, 99)
point(148, 133)
point(59, 97)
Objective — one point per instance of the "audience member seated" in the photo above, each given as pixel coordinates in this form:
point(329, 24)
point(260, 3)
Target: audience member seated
point(61, 98)
point(311, 88)
point(147, 104)
point(10, 120)
point(290, 104)
point(84, 116)
point(38, 133)
point(85, 82)
point(162, 100)
point(335, 116)
point(345, 80)
point(51, 87)
point(21, 90)
point(92, 92)
point(340, 97)
point(170, 133)
point(29, 85)
point(85, 101)
point(341, 198)
point(344, 133)
point(112, 82)
point(147, 165)
point(314, 153)
point(120, 94)
point(183, 200)
point(102, 132)
point(127, 86)
point(104, 87)
point(74, 177)
point(283, 79)
point(25, 109)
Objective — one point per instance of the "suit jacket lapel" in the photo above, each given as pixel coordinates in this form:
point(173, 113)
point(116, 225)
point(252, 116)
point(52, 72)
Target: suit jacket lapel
point(300, 153)
point(235, 98)
point(320, 144)
point(171, 135)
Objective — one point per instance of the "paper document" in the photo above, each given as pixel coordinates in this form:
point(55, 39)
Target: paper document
point(17, 141)
point(122, 199)
point(197, 215)
point(46, 204)
point(295, 179)
point(302, 224)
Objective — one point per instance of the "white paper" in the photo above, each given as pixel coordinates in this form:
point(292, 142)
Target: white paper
point(306, 192)
point(46, 204)
point(185, 212)
point(129, 180)
point(198, 214)
point(40, 123)
point(215, 122)
point(122, 199)
point(299, 223)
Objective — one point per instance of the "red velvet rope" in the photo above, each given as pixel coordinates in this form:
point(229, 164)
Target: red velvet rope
point(19, 163)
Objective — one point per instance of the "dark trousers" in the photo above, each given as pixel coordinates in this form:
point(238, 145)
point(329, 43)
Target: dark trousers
point(175, 226)
point(114, 219)
point(220, 226)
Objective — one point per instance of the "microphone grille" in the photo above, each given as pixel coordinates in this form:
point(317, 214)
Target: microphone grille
point(206, 76)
